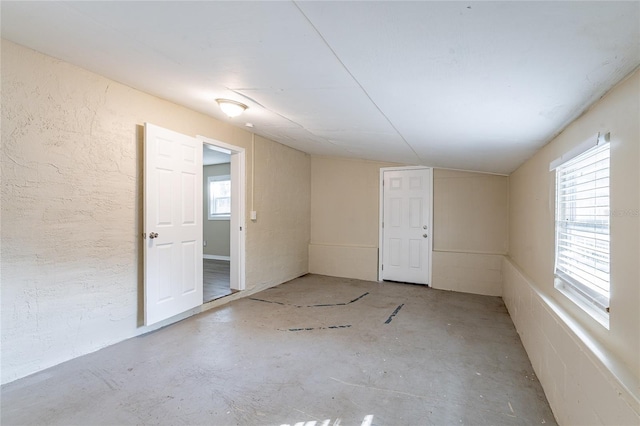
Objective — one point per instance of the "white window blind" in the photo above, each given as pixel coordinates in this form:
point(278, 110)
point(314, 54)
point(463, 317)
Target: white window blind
point(582, 226)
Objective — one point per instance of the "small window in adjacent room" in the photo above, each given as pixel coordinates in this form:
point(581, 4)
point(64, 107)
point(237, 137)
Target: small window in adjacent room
point(582, 230)
point(219, 197)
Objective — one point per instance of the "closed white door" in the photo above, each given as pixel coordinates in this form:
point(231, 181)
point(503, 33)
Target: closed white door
point(172, 223)
point(406, 222)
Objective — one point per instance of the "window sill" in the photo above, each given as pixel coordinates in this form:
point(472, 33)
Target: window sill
point(575, 297)
point(220, 218)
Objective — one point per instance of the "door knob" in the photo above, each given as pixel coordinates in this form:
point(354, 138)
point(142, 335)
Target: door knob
point(153, 235)
point(424, 235)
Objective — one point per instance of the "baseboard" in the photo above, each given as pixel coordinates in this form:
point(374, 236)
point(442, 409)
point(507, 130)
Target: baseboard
point(216, 257)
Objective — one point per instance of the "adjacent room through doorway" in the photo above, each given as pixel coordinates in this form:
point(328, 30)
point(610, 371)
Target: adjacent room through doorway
point(216, 282)
point(216, 175)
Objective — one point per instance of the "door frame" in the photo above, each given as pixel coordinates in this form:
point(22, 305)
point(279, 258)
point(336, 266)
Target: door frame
point(237, 221)
point(381, 218)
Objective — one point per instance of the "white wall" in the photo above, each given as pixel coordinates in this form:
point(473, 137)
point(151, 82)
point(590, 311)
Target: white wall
point(591, 375)
point(72, 208)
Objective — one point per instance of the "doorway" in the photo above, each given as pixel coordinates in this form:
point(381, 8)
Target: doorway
point(406, 201)
point(216, 231)
point(223, 213)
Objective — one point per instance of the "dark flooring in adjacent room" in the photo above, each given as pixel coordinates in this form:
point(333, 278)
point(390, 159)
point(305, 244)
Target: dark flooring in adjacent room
point(313, 349)
point(215, 275)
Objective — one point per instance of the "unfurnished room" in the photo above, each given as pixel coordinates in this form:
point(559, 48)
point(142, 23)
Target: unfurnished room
point(320, 213)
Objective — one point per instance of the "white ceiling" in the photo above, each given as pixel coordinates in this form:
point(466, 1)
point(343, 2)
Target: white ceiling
point(467, 85)
point(211, 156)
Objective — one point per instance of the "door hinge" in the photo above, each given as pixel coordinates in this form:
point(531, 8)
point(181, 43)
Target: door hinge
point(241, 228)
point(383, 267)
point(144, 235)
point(383, 224)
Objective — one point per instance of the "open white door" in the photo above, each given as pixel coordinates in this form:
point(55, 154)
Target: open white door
point(406, 225)
point(172, 223)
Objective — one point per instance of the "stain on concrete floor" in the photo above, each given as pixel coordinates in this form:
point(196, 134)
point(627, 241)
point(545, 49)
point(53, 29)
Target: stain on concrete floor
point(325, 348)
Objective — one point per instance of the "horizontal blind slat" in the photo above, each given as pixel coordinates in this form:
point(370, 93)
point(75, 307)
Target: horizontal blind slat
point(582, 219)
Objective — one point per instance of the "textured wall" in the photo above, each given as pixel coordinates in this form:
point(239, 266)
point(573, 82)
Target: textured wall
point(344, 217)
point(582, 380)
point(531, 249)
point(471, 214)
point(215, 232)
point(468, 272)
point(71, 208)
point(532, 216)
point(282, 203)
point(470, 226)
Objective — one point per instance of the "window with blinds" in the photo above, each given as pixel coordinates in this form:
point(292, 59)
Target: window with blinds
point(582, 227)
point(219, 197)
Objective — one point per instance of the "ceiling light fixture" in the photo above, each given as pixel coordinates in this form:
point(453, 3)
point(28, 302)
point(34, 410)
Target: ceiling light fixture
point(231, 108)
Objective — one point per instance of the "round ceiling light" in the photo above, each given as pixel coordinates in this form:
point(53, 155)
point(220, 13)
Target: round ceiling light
point(231, 108)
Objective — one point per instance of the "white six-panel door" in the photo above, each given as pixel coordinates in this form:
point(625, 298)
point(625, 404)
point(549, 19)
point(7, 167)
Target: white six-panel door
point(406, 222)
point(172, 223)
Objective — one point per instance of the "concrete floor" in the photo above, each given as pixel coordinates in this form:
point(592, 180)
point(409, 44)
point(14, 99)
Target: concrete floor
point(315, 348)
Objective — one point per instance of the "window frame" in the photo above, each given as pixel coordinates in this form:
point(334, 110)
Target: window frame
point(210, 214)
point(586, 295)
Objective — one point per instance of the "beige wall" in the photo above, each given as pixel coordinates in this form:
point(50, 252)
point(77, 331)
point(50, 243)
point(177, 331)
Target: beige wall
point(531, 249)
point(582, 381)
point(71, 208)
point(345, 224)
point(344, 217)
point(470, 212)
point(467, 272)
point(470, 226)
point(71, 223)
point(216, 233)
point(282, 200)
